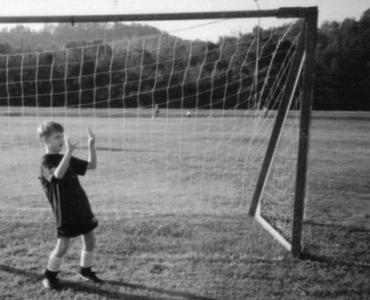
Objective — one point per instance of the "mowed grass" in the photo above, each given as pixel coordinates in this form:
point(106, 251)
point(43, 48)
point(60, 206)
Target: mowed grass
point(172, 196)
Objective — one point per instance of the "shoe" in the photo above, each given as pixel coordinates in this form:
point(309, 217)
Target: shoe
point(87, 274)
point(51, 281)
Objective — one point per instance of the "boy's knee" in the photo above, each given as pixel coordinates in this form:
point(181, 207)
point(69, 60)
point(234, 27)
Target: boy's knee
point(61, 248)
point(90, 246)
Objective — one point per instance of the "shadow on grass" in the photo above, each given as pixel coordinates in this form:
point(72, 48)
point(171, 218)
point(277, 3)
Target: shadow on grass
point(337, 227)
point(337, 244)
point(135, 286)
point(333, 261)
point(103, 289)
point(34, 277)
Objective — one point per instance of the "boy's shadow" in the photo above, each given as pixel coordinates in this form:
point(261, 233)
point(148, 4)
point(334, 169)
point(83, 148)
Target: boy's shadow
point(103, 289)
point(157, 290)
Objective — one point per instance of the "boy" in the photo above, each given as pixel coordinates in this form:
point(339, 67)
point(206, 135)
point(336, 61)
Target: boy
point(67, 198)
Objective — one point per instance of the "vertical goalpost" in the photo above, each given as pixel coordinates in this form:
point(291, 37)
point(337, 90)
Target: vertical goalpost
point(304, 54)
point(301, 66)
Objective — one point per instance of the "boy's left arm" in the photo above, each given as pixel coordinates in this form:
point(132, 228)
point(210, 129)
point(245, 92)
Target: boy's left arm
point(92, 160)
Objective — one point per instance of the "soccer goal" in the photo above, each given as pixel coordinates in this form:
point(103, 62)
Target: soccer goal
point(197, 126)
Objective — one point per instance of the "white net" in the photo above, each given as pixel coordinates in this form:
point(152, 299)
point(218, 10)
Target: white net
point(182, 129)
point(182, 126)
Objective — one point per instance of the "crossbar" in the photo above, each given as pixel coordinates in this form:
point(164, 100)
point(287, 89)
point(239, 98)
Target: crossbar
point(284, 12)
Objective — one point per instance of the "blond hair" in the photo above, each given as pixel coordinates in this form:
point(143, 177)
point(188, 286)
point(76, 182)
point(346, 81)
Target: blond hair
point(47, 128)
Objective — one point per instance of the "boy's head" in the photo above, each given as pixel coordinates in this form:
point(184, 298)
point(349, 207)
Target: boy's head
point(51, 134)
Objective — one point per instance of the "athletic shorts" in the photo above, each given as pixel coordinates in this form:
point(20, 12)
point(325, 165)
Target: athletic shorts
point(73, 230)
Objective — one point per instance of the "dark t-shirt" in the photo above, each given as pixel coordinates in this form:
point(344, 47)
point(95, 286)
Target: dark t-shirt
point(67, 198)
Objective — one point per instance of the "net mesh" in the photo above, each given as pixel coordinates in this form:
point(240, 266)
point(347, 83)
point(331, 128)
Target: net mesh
point(182, 129)
point(182, 125)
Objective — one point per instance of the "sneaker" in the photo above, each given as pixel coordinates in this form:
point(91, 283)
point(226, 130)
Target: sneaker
point(87, 274)
point(51, 281)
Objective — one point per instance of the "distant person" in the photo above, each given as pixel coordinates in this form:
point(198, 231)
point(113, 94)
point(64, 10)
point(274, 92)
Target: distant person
point(68, 200)
point(155, 112)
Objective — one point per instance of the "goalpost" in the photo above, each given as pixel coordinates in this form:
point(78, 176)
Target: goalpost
point(252, 96)
point(304, 53)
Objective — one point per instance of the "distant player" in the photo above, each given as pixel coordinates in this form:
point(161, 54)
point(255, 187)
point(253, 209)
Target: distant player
point(155, 112)
point(68, 200)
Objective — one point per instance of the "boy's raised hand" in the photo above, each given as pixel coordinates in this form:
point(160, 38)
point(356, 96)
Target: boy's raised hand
point(70, 147)
point(91, 133)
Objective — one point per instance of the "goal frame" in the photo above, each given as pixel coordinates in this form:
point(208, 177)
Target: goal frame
point(305, 53)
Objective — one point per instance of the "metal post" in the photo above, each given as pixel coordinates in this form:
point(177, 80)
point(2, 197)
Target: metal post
point(283, 12)
point(308, 84)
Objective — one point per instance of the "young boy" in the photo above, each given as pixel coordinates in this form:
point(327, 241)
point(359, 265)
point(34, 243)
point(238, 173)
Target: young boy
point(67, 198)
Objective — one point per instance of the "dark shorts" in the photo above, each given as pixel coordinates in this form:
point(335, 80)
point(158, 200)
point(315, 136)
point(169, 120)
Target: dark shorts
point(73, 230)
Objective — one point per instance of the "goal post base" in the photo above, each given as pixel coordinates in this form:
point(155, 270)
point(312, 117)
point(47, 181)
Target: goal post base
point(276, 234)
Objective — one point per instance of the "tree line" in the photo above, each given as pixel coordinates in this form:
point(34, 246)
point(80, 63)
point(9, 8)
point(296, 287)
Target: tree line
point(71, 65)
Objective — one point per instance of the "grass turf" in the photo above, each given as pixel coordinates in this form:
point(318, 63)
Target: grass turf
point(171, 196)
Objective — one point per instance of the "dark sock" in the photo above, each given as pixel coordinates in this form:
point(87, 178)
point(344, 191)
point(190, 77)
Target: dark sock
point(85, 269)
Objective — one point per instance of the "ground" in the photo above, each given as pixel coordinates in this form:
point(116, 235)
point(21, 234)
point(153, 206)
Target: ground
point(172, 196)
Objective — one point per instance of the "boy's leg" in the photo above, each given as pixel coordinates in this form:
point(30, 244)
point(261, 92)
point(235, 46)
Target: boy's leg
point(54, 263)
point(61, 247)
point(88, 246)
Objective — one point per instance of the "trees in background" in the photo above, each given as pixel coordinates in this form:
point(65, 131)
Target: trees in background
point(188, 74)
point(343, 65)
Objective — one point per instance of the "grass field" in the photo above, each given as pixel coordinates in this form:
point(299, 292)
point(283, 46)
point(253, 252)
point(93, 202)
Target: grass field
point(172, 196)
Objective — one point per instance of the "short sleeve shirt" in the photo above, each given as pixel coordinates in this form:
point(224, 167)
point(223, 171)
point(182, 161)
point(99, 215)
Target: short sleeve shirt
point(67, 198)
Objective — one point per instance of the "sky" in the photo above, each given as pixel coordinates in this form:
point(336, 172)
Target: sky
point(205, 29)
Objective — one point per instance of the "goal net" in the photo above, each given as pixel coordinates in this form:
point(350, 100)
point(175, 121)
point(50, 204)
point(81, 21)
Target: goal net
point(182, 125)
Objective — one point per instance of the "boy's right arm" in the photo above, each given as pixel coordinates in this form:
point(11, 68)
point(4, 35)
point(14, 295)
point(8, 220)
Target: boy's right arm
point(64, 163)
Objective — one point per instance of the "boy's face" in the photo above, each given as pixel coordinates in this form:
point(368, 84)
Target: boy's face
point(55, 142)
